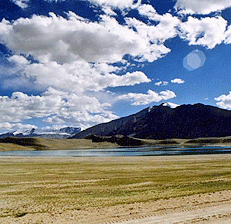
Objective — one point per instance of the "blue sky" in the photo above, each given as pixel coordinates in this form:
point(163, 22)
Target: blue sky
point(84, 62)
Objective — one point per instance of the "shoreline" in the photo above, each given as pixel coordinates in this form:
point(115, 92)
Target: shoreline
point(31, 144)
point(119, 152)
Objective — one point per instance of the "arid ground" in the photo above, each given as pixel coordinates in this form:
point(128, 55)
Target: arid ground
point(195, 189)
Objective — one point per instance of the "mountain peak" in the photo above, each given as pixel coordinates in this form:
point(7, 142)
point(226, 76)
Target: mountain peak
point(165, 105)
point(168, 104)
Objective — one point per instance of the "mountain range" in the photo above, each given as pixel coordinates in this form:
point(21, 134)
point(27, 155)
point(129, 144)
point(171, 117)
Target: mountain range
point(50, 134)
point(164, 122)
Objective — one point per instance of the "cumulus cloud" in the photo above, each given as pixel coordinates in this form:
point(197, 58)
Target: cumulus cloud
point(201, 7)
point(18, 59)
point(147, 10)
point(80, 76)
point(65, 49)
point(66, 40)
point(154, 35)
point(55, 107)
point(161, 83)
point(164, 30)
point(224, 101)
point(150, 97)
point(207, 32)
point(55, 38)
point(178, 81)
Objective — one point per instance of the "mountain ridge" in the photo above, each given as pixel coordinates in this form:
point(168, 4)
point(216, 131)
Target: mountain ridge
point(163, 122)
point(61, 133)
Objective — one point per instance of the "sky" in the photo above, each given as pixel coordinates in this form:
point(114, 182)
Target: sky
point(83, 62)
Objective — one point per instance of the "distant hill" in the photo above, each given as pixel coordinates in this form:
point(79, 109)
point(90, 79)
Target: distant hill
point(164, 122)
point(49, 134)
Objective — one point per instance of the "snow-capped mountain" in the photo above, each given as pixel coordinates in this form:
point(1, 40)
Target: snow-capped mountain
point(51, 134)
point(69, 130)
point(171, 105)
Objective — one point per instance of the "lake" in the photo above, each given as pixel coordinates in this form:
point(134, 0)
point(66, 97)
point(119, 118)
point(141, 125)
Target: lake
point(136, 151)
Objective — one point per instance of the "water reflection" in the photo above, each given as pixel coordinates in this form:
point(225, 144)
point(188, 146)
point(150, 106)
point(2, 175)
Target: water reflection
point(140, 151)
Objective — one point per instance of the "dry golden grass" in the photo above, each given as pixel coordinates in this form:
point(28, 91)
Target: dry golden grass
point(41, 185)
point(57, 144)
point(164, 142)
point(61, 144)
point(225, 141)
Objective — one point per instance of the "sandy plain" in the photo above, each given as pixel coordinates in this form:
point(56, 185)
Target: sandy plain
point(170, 189)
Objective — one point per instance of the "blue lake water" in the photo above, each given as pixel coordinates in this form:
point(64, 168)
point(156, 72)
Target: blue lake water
point(138, 151)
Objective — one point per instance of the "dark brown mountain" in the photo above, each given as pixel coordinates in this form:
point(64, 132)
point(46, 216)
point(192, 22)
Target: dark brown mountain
point(163, 122)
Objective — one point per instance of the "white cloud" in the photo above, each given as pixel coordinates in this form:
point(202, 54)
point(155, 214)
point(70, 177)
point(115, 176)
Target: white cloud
point(164, 30)
point(158, 83)
point(21, 3)
point(18, 59)
point(154, 35)
point(178, 81)
point(147, 10)
point(224, 101)
point(64, 40)
point(161, 83)
point(150, 97)
point(201, 6)
point(206, 32)
point(108, 10)
point(106, 68)
point(65, 48)
point(129, 79)
point(80, 76)
point(54, 107)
